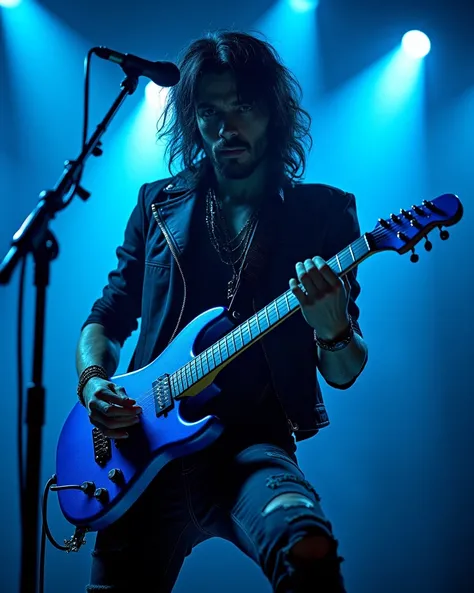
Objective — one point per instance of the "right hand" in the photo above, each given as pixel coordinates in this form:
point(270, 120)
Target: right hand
point(109, 408)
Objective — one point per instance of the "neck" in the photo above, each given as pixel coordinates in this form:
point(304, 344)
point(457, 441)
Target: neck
point(244, 191)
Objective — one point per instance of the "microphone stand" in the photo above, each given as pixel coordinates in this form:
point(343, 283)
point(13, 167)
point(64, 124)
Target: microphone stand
point(35, 237)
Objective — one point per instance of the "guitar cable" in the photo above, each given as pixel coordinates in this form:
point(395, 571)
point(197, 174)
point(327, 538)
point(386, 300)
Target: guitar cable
point(45, 531)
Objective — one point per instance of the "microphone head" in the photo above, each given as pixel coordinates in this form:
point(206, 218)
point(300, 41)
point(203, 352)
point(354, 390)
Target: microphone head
point(164, 73)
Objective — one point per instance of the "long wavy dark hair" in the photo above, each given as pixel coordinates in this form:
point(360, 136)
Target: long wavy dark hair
point(261, 75)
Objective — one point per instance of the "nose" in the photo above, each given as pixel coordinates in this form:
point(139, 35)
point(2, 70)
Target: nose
point(228, 129)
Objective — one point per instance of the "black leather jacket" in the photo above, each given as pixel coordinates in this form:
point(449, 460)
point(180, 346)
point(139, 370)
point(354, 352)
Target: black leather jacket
point(149, 282)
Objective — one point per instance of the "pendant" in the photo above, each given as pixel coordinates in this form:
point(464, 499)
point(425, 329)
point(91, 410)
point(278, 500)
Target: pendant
point(230, 288)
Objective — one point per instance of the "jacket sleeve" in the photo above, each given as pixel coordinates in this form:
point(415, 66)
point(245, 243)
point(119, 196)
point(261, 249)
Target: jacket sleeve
point(119, 307)
point(343, 230)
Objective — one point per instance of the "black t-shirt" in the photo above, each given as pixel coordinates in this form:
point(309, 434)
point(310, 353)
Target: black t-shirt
point(247, 404)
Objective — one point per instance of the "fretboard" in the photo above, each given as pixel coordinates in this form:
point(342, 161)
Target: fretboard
point(248, 332)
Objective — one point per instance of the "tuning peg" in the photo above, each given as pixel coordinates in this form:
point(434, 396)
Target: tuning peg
point(428, 244)
point(402, 236)
point(443, 234)
point(414, 257)
point(406, 214)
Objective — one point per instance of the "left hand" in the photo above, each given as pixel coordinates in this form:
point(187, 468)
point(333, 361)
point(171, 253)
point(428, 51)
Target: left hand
point(324, 299)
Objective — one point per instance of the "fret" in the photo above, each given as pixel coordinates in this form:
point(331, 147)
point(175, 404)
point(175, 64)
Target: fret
point(294, 301)
point(203, 358)
point(192, 371)
point(366, 243)
point(240, 335)
point(252, 335)
point(206, 359)
point(195, 369)
point(266, 316)
point(216, 354)
point(230, 345)
point(259, 329)
point(276, 309)
point(262, 321)
point(223, 342)
point(198, 360)
point(232, 335)
point(352, 253)
point(176, 382)
point(187, 374)
point(343, 256)
point(287, 301)
point(219, 350)
point(180, 387)
point(338, 262)
point(281, 310)
point(346, 256)
point(182, 378)
point(225, 348)
point(212, 361)
point(174, 385)
point(246, 327)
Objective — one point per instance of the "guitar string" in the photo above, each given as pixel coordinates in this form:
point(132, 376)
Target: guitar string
point(146, 400)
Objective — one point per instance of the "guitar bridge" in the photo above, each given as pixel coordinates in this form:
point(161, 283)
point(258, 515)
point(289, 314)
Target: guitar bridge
point(102, 447)
point(164, 401)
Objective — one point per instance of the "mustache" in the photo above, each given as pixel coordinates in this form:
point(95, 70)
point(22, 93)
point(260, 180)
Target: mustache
point(229, 145)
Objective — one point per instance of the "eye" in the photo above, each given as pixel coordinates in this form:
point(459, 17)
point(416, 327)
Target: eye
point(206, 113)
point(245, 108)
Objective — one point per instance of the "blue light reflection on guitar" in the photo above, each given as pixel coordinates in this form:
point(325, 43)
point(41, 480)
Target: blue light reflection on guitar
point(108, 476)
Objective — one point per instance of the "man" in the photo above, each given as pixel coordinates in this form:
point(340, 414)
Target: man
point(233, 228)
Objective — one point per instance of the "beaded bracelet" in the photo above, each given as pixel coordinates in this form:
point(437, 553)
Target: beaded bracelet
point(94, 370)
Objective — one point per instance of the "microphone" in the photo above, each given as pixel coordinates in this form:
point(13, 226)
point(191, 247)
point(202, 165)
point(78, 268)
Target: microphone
point(161, 73)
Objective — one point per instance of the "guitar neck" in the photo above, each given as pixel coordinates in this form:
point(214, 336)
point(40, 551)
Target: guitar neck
point(248, 332)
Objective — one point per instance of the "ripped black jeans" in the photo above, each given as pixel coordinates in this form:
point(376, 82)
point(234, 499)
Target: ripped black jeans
point(225, 494)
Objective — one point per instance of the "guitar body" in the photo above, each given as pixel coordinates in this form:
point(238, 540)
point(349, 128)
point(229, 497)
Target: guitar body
point(152, 443)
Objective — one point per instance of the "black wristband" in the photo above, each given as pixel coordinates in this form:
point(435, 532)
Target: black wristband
point(340, 343)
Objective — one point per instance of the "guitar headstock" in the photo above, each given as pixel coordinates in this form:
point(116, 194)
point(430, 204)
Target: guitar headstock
point(401, 232)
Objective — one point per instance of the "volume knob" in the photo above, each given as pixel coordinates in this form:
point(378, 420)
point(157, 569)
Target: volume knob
point(102, 495)
point(116, 476)
point(88, 488)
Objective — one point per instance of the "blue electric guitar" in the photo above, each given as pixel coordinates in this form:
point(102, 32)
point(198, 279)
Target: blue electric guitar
point(98, 479)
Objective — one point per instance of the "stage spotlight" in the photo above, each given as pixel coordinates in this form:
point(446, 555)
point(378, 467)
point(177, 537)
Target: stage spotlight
point(303, 5)
point(9, 3)
point(416, 44)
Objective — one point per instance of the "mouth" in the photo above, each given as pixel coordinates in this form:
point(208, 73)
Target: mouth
point(232, 152)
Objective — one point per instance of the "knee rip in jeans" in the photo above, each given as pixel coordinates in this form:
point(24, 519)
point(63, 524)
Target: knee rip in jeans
point(286, 501)
point(318, 542)
point(275, 481)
